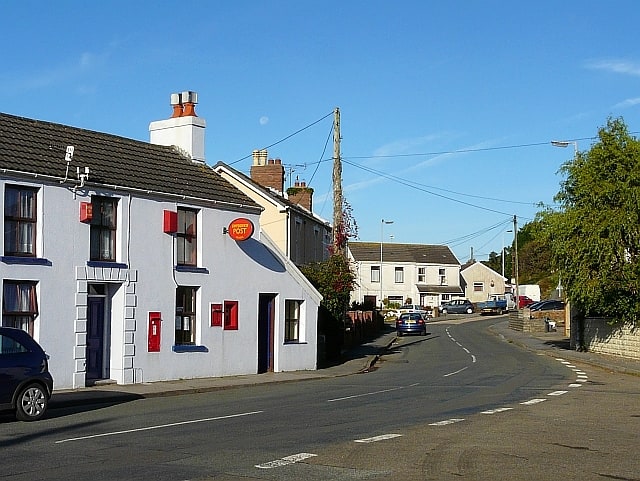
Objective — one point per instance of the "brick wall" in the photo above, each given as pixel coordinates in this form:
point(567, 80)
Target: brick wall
point(617, 341)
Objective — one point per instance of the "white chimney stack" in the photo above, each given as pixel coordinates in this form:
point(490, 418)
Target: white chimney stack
point(184, 129)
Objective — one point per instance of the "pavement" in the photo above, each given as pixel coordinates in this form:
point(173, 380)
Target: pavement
point(357, 360)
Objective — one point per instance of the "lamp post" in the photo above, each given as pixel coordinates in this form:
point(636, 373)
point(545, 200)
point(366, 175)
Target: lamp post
point(382, 223)
point(564, 144)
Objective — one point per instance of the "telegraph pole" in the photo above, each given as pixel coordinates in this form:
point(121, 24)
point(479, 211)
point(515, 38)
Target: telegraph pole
point(515, 256)
point(338, 222)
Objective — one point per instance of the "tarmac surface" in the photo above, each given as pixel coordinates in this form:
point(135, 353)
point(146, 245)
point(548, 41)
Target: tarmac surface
point(357, 360)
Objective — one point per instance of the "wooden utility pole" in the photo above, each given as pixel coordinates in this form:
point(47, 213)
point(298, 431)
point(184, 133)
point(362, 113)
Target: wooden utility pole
point(338, 221)
point(515, 261)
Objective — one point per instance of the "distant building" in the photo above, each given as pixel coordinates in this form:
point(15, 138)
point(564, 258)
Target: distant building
point(287, 217)
point(427, 274)
point(480, 281)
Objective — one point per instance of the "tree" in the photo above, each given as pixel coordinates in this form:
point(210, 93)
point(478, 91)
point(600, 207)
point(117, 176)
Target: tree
point(595, 235)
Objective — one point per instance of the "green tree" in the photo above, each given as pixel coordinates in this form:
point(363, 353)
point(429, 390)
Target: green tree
point(595, 235)
point(534, 256)
point(335, 280)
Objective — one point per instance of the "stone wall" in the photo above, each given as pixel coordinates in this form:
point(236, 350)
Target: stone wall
point(613, 340)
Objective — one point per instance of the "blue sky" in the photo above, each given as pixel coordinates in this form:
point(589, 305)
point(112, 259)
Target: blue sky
point(447, 108)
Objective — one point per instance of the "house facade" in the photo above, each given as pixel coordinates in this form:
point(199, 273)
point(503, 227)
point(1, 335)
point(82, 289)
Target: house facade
point(135, 262)
point(287, 217)
point(480, 281)
point(427, 274)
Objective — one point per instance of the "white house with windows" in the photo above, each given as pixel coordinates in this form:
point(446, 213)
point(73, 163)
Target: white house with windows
point(480, 281)
point(135, 262)
point(392, 273)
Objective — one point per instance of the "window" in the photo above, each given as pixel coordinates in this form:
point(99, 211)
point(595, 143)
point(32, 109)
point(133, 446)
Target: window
point(186, 315)
point(231, 315)
point(478, 286)
point(187, 237)
point(103, 229)
point(20, 217)
point(375, 273)
point(399, 275)
point(292, 320)
point(8, 345)
point(19, 305)
point(422, 274)
point(442, 275)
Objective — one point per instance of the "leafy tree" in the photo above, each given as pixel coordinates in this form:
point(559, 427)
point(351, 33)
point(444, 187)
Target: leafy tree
point(534, 256)
point(335, 280)
point(595, 236)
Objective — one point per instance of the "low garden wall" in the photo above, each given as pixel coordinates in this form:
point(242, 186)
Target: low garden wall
point(616, 340)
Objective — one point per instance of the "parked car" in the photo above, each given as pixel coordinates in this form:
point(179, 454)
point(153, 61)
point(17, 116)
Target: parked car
point(25, 382)
point(524, 301)
point(457, 306)
point(548, 305)
point(411, 323)
point(415, 308)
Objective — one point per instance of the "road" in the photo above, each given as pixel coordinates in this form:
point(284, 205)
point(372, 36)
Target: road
point(459, 402)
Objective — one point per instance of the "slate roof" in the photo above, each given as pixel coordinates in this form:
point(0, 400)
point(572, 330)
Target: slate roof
point(270, 193)
point(38, 147)
point(393, 252)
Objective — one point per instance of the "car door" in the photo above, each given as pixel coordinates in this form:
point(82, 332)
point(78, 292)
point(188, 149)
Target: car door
point(13, 365)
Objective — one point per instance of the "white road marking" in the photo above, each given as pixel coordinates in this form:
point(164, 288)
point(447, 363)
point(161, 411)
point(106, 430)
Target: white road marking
point(531, 402)
point(370, 393)
point(455, 372)
point(575, 384)
point(448, 421)
point(295, 458)
point(497, 410)
point(382, 437)
point(557, 393)
point(160, 426)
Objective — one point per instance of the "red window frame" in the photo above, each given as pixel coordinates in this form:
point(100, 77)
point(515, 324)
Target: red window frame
point(231, 315)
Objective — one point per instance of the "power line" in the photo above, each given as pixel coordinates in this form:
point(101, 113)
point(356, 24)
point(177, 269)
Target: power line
point(285, 138)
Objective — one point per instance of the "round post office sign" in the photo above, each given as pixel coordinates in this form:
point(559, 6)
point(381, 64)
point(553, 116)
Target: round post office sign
point(240, 229)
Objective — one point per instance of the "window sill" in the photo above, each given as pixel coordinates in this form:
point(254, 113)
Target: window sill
point(32, 261)
point(193, 269)
point(117, 265)
point(286, 343)
point(189, 348)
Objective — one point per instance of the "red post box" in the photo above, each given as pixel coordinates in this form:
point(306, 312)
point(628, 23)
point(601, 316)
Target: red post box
point(154, 332)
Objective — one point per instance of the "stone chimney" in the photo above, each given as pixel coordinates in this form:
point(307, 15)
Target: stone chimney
point(267, 173)
point(184, 129)
point(301, 194)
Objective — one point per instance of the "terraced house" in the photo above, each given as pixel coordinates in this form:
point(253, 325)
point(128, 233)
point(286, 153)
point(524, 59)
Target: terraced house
point(133, 262)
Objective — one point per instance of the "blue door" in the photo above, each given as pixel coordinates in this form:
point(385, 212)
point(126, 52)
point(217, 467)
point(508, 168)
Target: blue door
point(95, 338)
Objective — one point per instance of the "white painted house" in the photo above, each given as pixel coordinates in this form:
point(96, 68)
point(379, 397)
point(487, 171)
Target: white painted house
point(393, 273)
point(135, 262)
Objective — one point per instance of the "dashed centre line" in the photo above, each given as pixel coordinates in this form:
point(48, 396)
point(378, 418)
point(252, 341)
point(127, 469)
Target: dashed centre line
point(382, 437)
point(295, 458)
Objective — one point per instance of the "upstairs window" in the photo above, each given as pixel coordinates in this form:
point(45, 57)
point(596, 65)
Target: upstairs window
point(478, 286)
point(187, 237)
point(422, 275)
point(20, 217)
point(19, 305)
point(399, 275)
point(103, 229)
point(442, 275)
point(375, 273)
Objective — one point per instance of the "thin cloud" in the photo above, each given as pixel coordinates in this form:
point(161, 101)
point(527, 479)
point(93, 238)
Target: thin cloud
point(627, 103)
point(625, 67)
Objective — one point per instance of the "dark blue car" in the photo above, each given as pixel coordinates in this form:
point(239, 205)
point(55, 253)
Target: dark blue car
point(25, 381)
point(411, 323)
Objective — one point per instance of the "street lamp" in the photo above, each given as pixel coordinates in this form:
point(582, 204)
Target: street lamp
point(382, 223)
point(566, 143)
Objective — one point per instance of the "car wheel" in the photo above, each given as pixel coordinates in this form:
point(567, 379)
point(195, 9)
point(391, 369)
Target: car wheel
point(469, 311)
point(32, 403)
